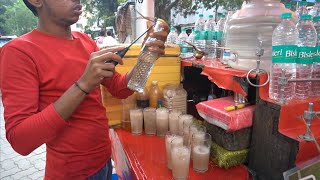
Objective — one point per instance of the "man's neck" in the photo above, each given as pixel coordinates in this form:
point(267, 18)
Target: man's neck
point(64, 32)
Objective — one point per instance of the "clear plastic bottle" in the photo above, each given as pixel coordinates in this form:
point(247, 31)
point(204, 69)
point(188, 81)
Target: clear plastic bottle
point(197, 41)
point(219, 32)
point(190, 39)
point(284, 54)
point(315, 86)
point(315, 10)
point(301, 9)
point(225, 54)
point(146, 60)
point(307, 41)
point(172, 36)
point(183, 36)
point(210, 42)
point(200, 23)
point(155, 94)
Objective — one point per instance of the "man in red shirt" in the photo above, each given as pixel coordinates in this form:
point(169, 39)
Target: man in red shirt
point(50, 82)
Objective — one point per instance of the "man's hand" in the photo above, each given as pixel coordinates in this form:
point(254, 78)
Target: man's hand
point(98, 68)
point(157, 46)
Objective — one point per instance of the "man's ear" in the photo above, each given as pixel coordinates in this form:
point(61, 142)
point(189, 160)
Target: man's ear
point(36, 3)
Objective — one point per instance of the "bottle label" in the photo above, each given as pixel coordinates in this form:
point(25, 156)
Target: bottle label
point(184, 49)
point(305, 55)
point(211, 35)
point(219, 35)
point(284, 54)
point(203, 35)
point(316, 57)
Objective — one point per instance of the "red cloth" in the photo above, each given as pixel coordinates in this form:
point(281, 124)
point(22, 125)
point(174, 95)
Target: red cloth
point(36, 69)
point(220, 74)
point(147, 158)
point(213, 112)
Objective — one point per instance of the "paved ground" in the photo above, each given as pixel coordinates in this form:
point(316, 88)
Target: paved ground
point(16, 167)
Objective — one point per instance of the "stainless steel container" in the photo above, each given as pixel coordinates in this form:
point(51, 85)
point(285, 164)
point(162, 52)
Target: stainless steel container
point(239, 98)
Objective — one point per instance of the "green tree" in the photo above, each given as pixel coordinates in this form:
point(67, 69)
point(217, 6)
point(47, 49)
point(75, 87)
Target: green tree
point(3, 5)
point(101, 12)
point(163, 7)
point(18, 19)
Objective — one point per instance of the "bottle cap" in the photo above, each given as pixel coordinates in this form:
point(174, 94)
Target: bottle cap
point(154, 82)
point(222, 15)
point(200, 15)
point(306, 17)
point(286, 15)
point(184, 29)
point(317, 18)
point(210, 16)
point(172, 29)
point(288, 6)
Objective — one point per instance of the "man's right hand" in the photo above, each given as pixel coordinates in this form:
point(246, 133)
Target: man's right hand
point(98, 68)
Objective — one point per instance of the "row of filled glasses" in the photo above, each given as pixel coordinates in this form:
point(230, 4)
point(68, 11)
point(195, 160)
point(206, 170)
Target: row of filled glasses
point(193, 145)
point(158, 121)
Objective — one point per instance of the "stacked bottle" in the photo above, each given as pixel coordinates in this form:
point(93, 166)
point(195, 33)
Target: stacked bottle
point(315, 10)
point(210, 40)
point(191, 39)
point(200, 40)
point(200, 23)
point(284, 54)
point(184, 48)
point(219, 32)
point(307, 41)
point(226, 55)
point(172, 36)
point(315, 86)
point(301, 9)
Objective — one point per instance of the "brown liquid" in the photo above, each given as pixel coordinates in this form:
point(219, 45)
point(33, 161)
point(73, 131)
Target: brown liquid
point(126, 125)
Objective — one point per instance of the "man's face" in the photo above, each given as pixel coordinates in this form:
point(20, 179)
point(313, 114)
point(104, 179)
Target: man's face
point(62, 12)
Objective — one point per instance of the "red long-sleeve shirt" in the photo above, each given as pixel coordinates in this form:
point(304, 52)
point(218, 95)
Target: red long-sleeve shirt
point(35, 70)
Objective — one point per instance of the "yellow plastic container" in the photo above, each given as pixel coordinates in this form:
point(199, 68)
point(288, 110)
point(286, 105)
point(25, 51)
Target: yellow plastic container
point(166, 70)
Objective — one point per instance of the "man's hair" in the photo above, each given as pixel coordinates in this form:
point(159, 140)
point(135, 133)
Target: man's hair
point(109, 33)
point(31, 7)
point(102, 33)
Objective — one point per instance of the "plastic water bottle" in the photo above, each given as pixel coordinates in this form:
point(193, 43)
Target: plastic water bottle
point(284, 54)
point(146, 60)
point(172, 36)
point(301, 9)
point(225, 54)
point(315, 10)
point(200, 23)
point(184, 47)
point(197, 41)
point(191, 40)
point(219, 32)
point(210, 42)
point(315, 86)
point(307, 41)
